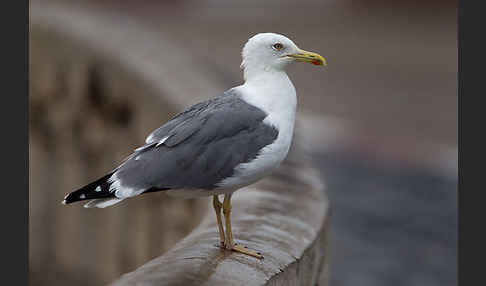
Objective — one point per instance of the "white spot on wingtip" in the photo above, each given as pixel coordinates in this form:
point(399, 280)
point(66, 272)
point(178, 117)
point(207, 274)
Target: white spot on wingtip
point(82, 196)
point(64, 200)
point(98, 189)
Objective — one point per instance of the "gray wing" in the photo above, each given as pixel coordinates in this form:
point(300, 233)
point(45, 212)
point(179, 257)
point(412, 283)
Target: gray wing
point(200, 147)
point(182, 125)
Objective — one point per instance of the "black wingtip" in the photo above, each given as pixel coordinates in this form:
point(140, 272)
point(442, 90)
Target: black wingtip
point(73, 197)
point(89, 192)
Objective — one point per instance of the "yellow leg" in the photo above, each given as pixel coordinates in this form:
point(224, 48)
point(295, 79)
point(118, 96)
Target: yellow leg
point(229, 243)
point(227, 214)
point(217, 208)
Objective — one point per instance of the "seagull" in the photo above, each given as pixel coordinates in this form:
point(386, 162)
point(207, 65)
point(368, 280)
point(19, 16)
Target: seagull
point(218, 146)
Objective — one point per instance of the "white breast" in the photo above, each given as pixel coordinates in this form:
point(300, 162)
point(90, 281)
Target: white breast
point(274, 94)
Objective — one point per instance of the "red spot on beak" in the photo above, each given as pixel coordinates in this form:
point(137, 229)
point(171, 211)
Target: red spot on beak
point(317, 63)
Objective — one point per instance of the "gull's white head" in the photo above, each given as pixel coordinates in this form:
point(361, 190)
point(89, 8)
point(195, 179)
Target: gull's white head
point(272, 52)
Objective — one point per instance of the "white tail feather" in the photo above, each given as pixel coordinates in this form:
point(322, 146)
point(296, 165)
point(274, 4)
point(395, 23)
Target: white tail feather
point(102, 203)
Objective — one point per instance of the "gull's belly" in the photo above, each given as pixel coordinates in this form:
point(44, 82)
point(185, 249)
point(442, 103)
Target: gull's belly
point(267, 160)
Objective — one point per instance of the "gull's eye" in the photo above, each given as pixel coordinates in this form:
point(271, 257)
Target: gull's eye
point(277, 46)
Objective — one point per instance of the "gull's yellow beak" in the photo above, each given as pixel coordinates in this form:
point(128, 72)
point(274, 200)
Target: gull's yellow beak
point(309, 57)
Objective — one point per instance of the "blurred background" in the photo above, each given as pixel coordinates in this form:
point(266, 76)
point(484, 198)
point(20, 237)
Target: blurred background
point(380, 121)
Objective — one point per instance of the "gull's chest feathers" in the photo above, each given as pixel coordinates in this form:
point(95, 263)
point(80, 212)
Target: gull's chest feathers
point(276, 96)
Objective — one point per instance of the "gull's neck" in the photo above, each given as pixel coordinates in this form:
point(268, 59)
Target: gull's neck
point(254, 70)
point(273, 92)
point(254, 74)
